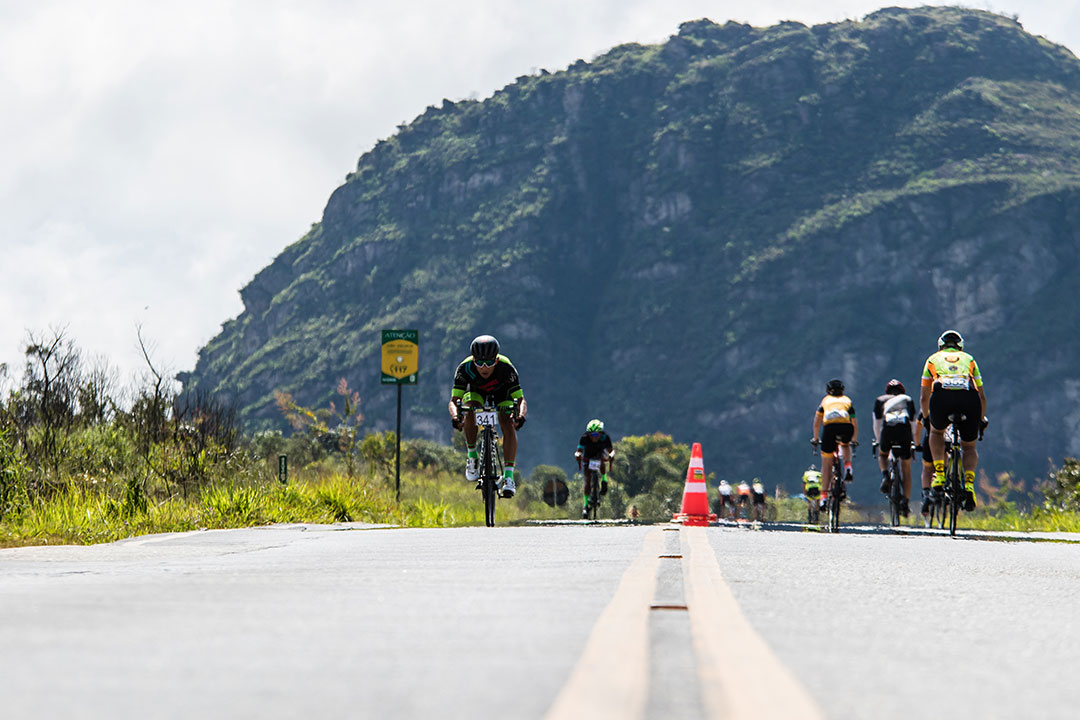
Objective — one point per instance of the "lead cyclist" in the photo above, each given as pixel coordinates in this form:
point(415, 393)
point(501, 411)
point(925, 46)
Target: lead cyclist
point(487, 374)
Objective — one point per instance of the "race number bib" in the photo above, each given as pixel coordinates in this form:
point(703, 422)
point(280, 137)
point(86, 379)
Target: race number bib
point(486, 418)
point(954, 382)
point(594, 464)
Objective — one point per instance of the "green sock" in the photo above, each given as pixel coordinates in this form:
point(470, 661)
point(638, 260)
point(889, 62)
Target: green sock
point(471, 451)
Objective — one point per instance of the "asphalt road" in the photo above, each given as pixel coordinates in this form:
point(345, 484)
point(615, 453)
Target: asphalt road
point(534, 622)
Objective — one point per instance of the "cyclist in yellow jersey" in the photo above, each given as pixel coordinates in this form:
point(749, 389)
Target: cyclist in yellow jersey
point(835, 420)
point(952, 383)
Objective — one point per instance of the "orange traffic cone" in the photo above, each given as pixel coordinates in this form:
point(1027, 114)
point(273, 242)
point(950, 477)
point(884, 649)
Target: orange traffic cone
point(695, 499)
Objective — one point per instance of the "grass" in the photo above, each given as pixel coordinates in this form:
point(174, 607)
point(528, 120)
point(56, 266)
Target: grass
point(87, 513)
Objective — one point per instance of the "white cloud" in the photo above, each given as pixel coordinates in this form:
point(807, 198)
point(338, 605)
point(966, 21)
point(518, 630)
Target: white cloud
point(157, 155)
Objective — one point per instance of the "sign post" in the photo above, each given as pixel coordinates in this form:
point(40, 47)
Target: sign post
point(400, 366)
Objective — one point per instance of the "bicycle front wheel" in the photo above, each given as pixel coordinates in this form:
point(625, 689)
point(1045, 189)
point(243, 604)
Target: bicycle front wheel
point(490, 478)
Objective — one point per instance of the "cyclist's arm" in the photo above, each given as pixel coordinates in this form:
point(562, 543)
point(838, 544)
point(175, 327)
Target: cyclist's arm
point(817, 421)
point(982, 399)
point(924, 400)
point(855, 429)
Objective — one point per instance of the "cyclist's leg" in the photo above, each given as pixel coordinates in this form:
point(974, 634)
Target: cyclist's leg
point(826, 472)
point(506, 424)
point(941, 406)
point(828, 457)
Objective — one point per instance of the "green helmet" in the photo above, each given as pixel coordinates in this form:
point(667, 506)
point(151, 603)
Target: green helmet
point(594, 426)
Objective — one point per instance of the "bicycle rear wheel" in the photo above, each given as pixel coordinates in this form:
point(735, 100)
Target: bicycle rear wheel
point(956, 491)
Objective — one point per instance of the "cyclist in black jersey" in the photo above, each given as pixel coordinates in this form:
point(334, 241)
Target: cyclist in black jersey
point(594, 444)
point(894, 428)
point(487, 374)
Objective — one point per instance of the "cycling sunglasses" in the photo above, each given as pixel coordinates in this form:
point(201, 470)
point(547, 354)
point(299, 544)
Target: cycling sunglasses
point(485, 363)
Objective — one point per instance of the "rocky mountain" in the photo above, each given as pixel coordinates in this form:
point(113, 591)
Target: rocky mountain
point(692, 237)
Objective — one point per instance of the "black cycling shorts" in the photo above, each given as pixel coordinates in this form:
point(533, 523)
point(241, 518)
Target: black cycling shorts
point(834, 433)
point(964, 402)
point(898, 437)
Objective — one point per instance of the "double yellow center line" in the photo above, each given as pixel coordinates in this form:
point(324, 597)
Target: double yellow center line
point(611, 678)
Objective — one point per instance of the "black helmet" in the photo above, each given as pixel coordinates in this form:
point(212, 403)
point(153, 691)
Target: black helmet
point(895, 387)
point(950, 338)
point(484, 348)
point(835, 387)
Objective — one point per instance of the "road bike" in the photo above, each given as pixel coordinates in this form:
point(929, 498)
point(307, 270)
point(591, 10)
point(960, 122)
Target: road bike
point(489, 451)
point(896, 486)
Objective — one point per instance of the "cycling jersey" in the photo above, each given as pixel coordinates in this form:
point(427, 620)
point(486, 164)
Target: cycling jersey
point(951, 369)
point(811, 480)
point(956, 380)
point(502, 386)
point(591, 447)
point(836, 409)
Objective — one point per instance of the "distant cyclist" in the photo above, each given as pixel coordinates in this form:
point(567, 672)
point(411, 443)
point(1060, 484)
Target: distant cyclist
point(595, 444)
point(811, 482)
point(839, 431)
point(757, 493)
point(744, 498)
point(487, 374)
point(727, 501)
point(894, 429)
point(952, 383)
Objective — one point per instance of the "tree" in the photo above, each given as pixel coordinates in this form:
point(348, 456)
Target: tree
point(53, 369)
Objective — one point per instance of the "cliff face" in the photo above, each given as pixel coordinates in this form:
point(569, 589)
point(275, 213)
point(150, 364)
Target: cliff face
point(693, 237)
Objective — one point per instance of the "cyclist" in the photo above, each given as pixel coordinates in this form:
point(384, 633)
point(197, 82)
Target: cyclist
point(757, 490)
point(838, 427)
point(727, 502)
point(811, 482)
point(744, 499)
point(595, 444)
point(894, 428)
point(952, 383)
point(487, 374)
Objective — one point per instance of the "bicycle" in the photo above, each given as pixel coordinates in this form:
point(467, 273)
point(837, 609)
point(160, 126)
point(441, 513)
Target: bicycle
point(896, 486)
point(953, 493)
point(489, 451)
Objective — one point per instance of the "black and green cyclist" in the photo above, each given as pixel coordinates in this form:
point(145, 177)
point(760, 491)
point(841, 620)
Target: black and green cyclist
point(595, 444)
point(484, 375)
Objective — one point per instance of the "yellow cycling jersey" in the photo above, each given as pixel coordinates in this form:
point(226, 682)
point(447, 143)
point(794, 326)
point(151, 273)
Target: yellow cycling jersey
point(951, 369)
point(811, 478)
point(836, 409)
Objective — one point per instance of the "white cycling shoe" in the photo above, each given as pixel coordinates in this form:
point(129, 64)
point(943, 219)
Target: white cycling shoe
point(507, 490)
point(472, 469)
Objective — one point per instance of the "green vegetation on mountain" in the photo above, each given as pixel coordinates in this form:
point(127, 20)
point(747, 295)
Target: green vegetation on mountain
point(692, 237)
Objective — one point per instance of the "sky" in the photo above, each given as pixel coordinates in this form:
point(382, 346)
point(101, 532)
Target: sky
point(157, 155)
